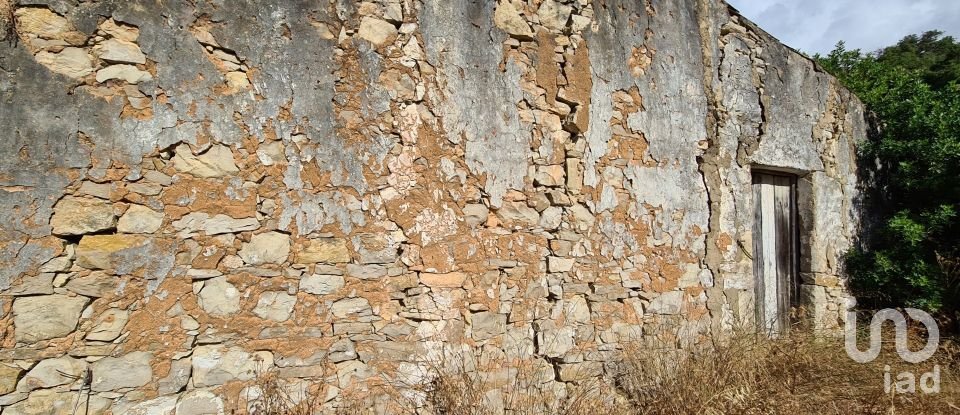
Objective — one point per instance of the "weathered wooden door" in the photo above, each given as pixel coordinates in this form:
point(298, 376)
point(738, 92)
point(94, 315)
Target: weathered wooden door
point(775, 247)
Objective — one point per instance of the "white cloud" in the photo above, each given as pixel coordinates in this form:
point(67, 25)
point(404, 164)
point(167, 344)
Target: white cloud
point(815, 26)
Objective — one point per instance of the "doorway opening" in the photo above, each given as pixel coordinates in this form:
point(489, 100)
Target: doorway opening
point(776, 249)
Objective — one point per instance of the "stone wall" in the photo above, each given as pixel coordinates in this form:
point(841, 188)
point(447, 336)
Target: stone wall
point(192, 193)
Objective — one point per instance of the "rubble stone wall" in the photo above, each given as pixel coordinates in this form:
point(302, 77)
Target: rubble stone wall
point(342, 193)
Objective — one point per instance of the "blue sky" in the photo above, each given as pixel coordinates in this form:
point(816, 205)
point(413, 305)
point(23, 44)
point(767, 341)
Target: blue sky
point(816, 25)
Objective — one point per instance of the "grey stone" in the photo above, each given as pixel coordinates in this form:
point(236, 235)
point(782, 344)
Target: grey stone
point(53, 372)
point(486, 325)
point(558, 264)
point(219, 298)
point(177, 379)
point(321, 284)
point(554, 15)
point(140, 219)
point(551, 218)
point(555, 342)
point(266, 248)
point(366, 272)
point(670, 302)
point(161, 405)
point(200, 402)
point(58, 264)
point(128, 371)
point(122, 254)
point(96, 284)
point(52, 401)
point(275, 305)
point(573, 372)
point(46, 317)
point(376, 248)
point(475, 214)
point(159, 178)
point(109, 325)
point(215, 365)
point(342, 350)
point(33, 285)
point(350, 306)
point(577, 310)
point(214, 225)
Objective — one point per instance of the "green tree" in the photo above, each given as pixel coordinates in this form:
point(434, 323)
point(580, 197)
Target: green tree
point(910, 256)
point(935, 56)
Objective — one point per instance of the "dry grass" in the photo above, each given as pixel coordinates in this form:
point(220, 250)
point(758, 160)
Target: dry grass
point(746, 374)
point(795, 374)
point(455, 391)
point(270, 395)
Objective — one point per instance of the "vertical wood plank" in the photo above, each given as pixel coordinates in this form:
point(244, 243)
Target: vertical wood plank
point(783, 245)
point(795, 244)
point(758, 250)
point(770, 285)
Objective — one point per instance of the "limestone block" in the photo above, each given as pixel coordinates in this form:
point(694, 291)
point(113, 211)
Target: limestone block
point(140, 219)
point(475, 214)
point(200, 402)
point(127, 73)
point(118, 253)
point(486, 325)
point(326, 250)
point(162, 405)
point(128, 371)
point(275, 305)
point(109, 325)
point(42, 22)
point(52, 372)
point(116, 50)
point(219, 298)
point(8, 378)
point(351, 306)
point(97, 284)
point(216, 364)
point(670, 302)
point(266, 248)
point(507, 17)
point(214, 225)
point(120, 30)
point(51, 401)
point(177, 378)
point(72, 62)
point(376, 31)
point(518, 212)
point(320, 284)
point(80, 215)
point(447, 280)
point(46, 317)
point(215, 162)
point(554, 15)
point(558, 264)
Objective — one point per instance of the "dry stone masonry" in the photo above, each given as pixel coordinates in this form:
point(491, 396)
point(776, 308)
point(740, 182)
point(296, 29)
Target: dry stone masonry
point(343, 193)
